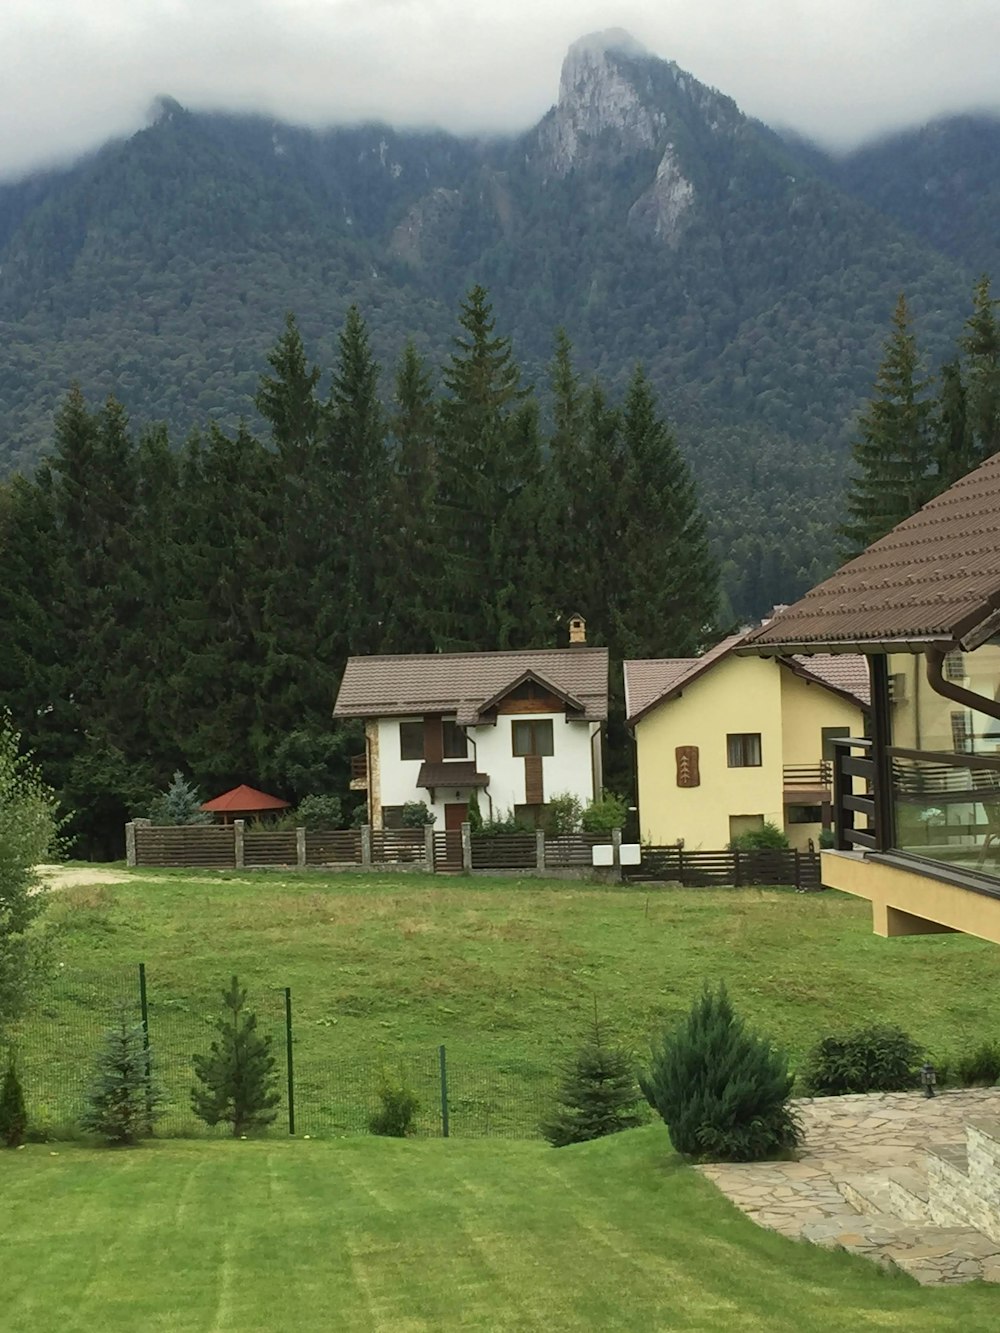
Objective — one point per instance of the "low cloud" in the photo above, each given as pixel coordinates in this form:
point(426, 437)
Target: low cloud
point(74, 75)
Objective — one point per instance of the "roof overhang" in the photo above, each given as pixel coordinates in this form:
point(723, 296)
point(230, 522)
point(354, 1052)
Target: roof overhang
point(530, 675)
point(867, 647)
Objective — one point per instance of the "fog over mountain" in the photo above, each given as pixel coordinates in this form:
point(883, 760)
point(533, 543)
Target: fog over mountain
point(74, 75)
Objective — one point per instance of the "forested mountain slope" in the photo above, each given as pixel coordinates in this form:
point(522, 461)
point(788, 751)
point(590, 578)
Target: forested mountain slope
point(644, 214)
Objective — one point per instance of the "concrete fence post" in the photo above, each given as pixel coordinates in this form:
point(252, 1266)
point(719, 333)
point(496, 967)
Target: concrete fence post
point(130, 844)
point(429, 846)
point(300, 847)
point(366, 844)
point(540, 849)
point(136, 825)
point(239, 828)
point(616, 853)
point(466, 847)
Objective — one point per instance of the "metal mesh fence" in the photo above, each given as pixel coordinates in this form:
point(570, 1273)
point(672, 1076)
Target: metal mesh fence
point(473, 1097)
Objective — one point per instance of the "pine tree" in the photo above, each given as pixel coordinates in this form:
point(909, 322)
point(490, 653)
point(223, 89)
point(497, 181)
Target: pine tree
point(597, 1095)
point(237, 1076)
point(489, 494)
point(288, 401)
point(413, 563)
point(663, 584)
point(981, 344)
point(954, 446)
point(722, 1091)
point(179, 804)
point(894, 452)
point(570, 507)
point(123, 1101)
point(13, 1111)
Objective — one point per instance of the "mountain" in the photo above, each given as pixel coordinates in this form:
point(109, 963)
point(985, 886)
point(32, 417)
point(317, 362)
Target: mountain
point(645, 214)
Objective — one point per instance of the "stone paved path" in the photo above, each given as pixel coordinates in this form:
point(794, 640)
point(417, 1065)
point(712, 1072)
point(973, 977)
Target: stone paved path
point(836, 1192)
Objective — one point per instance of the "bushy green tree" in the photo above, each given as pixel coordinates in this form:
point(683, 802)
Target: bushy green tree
point(768, 837)
point(416, 814)
point(13, 1112)
point(597, 1095)
point(28, 830)
point(877, 1058)
point(236, 1079)
point(319, 812)
point(722, 1091)
point(179, 804)
point(605, 815)
point(123, 1101)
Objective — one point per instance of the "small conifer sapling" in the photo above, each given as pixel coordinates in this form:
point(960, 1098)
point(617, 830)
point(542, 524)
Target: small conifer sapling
point(597, 1096)
point(13, 1113)
point(236, 1079)
point(123, 1101)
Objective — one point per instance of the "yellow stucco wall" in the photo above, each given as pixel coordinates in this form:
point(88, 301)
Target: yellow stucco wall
point(906, 903)
point(739, 694)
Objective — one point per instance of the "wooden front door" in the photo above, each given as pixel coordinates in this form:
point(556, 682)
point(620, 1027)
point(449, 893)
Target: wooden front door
point(455, 816)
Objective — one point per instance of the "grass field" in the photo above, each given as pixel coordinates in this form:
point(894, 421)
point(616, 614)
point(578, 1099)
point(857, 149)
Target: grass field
point(403, 1237)
point(505, 973)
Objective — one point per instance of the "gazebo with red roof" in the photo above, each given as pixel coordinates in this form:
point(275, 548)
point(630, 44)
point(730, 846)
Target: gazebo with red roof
point(243, 800)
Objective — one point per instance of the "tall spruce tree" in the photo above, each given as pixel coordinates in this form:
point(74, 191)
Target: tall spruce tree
point(489, 495)
point(981, 345)
point(663, 593)
point(954, 446)
point(411, 535)
point(571, 507)
point(894, 452)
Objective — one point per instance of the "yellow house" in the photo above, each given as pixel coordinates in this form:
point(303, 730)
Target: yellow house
point(726, 743)
point(917, 801)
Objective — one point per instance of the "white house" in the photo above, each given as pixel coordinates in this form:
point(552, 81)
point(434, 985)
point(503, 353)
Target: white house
point(516, 728)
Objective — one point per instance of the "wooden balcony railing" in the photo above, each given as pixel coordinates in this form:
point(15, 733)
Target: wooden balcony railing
point(854, 761)
point(814, 776)
point(359, 768)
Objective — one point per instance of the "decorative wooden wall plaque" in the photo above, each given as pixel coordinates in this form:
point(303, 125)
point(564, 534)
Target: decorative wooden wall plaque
point(687, 766)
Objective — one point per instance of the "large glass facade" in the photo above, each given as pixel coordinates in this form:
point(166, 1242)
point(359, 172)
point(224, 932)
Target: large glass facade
point(945, 760)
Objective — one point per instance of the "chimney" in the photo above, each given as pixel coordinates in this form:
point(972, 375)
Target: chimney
point(577, 630)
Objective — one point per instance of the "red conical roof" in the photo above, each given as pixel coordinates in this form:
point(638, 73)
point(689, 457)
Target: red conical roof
point(244, 800)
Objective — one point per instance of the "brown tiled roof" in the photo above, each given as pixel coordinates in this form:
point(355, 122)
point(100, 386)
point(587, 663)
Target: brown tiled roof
point(845, 672)
point(452, 773)
point(934, 579)
point(652, 682)
point(461, 683)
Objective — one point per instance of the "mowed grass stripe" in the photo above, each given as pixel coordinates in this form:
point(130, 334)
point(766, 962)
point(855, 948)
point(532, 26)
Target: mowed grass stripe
point(421, 1236)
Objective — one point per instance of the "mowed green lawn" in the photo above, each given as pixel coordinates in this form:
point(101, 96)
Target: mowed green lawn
point(366, 1234)
point(505, 973)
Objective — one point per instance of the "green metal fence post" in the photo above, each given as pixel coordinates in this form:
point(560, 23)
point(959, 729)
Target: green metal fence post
point(443, 1063)
point(144, 1013)
point(288, 1059)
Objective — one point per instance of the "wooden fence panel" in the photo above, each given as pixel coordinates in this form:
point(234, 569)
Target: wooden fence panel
point(266, 847)
point(334, 847)
point(569, 850)
point(717, 869)
point(205, 846)
point(448, 851)
point(397, 845)
point(504, 851)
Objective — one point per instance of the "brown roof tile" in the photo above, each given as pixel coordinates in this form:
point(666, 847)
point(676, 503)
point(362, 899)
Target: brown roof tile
point(452, 773)
point(651, 682)
point(934, 578)
point(461, 683)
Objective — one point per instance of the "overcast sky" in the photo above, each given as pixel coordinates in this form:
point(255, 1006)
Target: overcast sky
point(75, 72)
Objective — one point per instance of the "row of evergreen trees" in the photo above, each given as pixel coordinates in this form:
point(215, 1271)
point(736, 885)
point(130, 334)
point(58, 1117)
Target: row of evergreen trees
point(914, 442)
point(193, 609)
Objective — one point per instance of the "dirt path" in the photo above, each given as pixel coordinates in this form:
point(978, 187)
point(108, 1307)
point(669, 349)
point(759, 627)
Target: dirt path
point(68, 877)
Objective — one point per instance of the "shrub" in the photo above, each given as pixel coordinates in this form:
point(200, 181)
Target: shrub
point(768, 838)
point(504, 823)
point(13, 1114)
point(319, 812)
point(980, 1067)
point(597, 1096)
point(563, 814)
point(394, 1118)
point(122, 1101)
point(605, 815)
point(415, 814)
point(237, 1076)
point(179, 804)
point(827, 839)
point(721, 1090)
point(879, 1058)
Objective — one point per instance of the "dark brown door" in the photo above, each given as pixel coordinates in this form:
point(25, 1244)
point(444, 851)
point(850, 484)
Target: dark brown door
point(455, 816)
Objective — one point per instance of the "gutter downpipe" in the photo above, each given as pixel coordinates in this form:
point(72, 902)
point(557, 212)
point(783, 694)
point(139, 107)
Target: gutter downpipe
point(979, 703)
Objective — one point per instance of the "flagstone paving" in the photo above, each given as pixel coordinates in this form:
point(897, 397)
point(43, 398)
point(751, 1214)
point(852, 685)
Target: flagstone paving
point(839, 1190)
